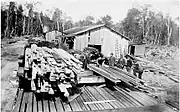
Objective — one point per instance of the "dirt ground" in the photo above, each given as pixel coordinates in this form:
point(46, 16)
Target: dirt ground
point(165, 88)
point(9, 63)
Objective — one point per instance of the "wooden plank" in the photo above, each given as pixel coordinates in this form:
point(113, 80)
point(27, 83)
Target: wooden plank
point(110, 72)
point(150, 98)
point(115, 96)
point(99, 106)
point(75, 106)
point(40, 106)
point(120, 76)
point(30, 102)
point(113, 104)
point(78, 105)
point(52, 106)
point(67, 107)
point(153, 108)
point(87, 98)
point(98, 96)
point(59, 106)
point(24, 102)
point(18, 101)
point(35, 109)
point(103, 73)
point(144, 96)
point(91, 80)
point(128, 98)
point(118, 103)
point(100, 101)
point(146, 100)
point(140, 99)
point(124, 99)
point(173, 104)
point(139, 104)
point(45, 106)
point(80, 101)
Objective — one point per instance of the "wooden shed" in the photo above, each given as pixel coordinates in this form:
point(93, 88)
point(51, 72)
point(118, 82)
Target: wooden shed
point(136, 49)
point(102, 37)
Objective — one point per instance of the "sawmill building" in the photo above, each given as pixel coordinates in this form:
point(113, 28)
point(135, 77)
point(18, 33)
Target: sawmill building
point(102, 37)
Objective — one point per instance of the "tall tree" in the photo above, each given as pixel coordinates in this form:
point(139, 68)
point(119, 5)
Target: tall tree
point(89, 20)
point(10, 20)
point(107, 20)
point(68, 24)
point(131, 25)
point(19, 20)
point(30, 16)
point(57, 17)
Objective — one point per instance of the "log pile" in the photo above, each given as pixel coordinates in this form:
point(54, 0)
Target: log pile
point(49, 70)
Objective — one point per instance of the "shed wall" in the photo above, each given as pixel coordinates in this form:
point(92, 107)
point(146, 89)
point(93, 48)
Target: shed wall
point(110, 42)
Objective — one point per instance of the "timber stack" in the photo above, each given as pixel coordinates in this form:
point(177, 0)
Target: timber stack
point(118, 76)
point(46, 69)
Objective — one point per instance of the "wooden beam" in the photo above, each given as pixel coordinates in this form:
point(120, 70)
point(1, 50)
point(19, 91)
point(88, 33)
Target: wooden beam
point(102, 101)
point(91, 79)
point(98, 96)
point(18, 101)
point(52, 106)
point(153, 108)
point(35, 109)
point(103, 73)
point(30, 103)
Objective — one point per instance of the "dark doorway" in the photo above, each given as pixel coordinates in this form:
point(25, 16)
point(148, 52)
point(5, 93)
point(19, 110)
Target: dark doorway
point(132, 50)
point(98, 47)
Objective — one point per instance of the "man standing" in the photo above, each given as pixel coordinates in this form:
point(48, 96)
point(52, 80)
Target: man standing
point(129, 64)
point(121, 62)
point(45, 30)
point(111, 60)
point(137, 70)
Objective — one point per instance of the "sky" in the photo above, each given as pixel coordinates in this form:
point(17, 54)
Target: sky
point(117, 9)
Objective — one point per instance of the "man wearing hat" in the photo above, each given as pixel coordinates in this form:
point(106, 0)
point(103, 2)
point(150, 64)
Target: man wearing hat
point(137, 69)
point(111, 60)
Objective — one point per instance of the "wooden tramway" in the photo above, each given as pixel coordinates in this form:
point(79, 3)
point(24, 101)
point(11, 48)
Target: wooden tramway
point(120, 75)
point(104, 73)
point(131, 79)
point(113, 74)
point(92, 99)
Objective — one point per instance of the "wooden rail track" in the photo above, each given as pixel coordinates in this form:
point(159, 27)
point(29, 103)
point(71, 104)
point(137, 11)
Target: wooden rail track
point(119, 100)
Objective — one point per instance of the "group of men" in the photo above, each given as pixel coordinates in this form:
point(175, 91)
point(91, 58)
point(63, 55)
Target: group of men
point(131, 66)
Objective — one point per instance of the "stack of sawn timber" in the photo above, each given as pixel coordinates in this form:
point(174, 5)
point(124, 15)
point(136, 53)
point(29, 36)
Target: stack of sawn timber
point(116, 75)
point(103, 73)
point(43, 65)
